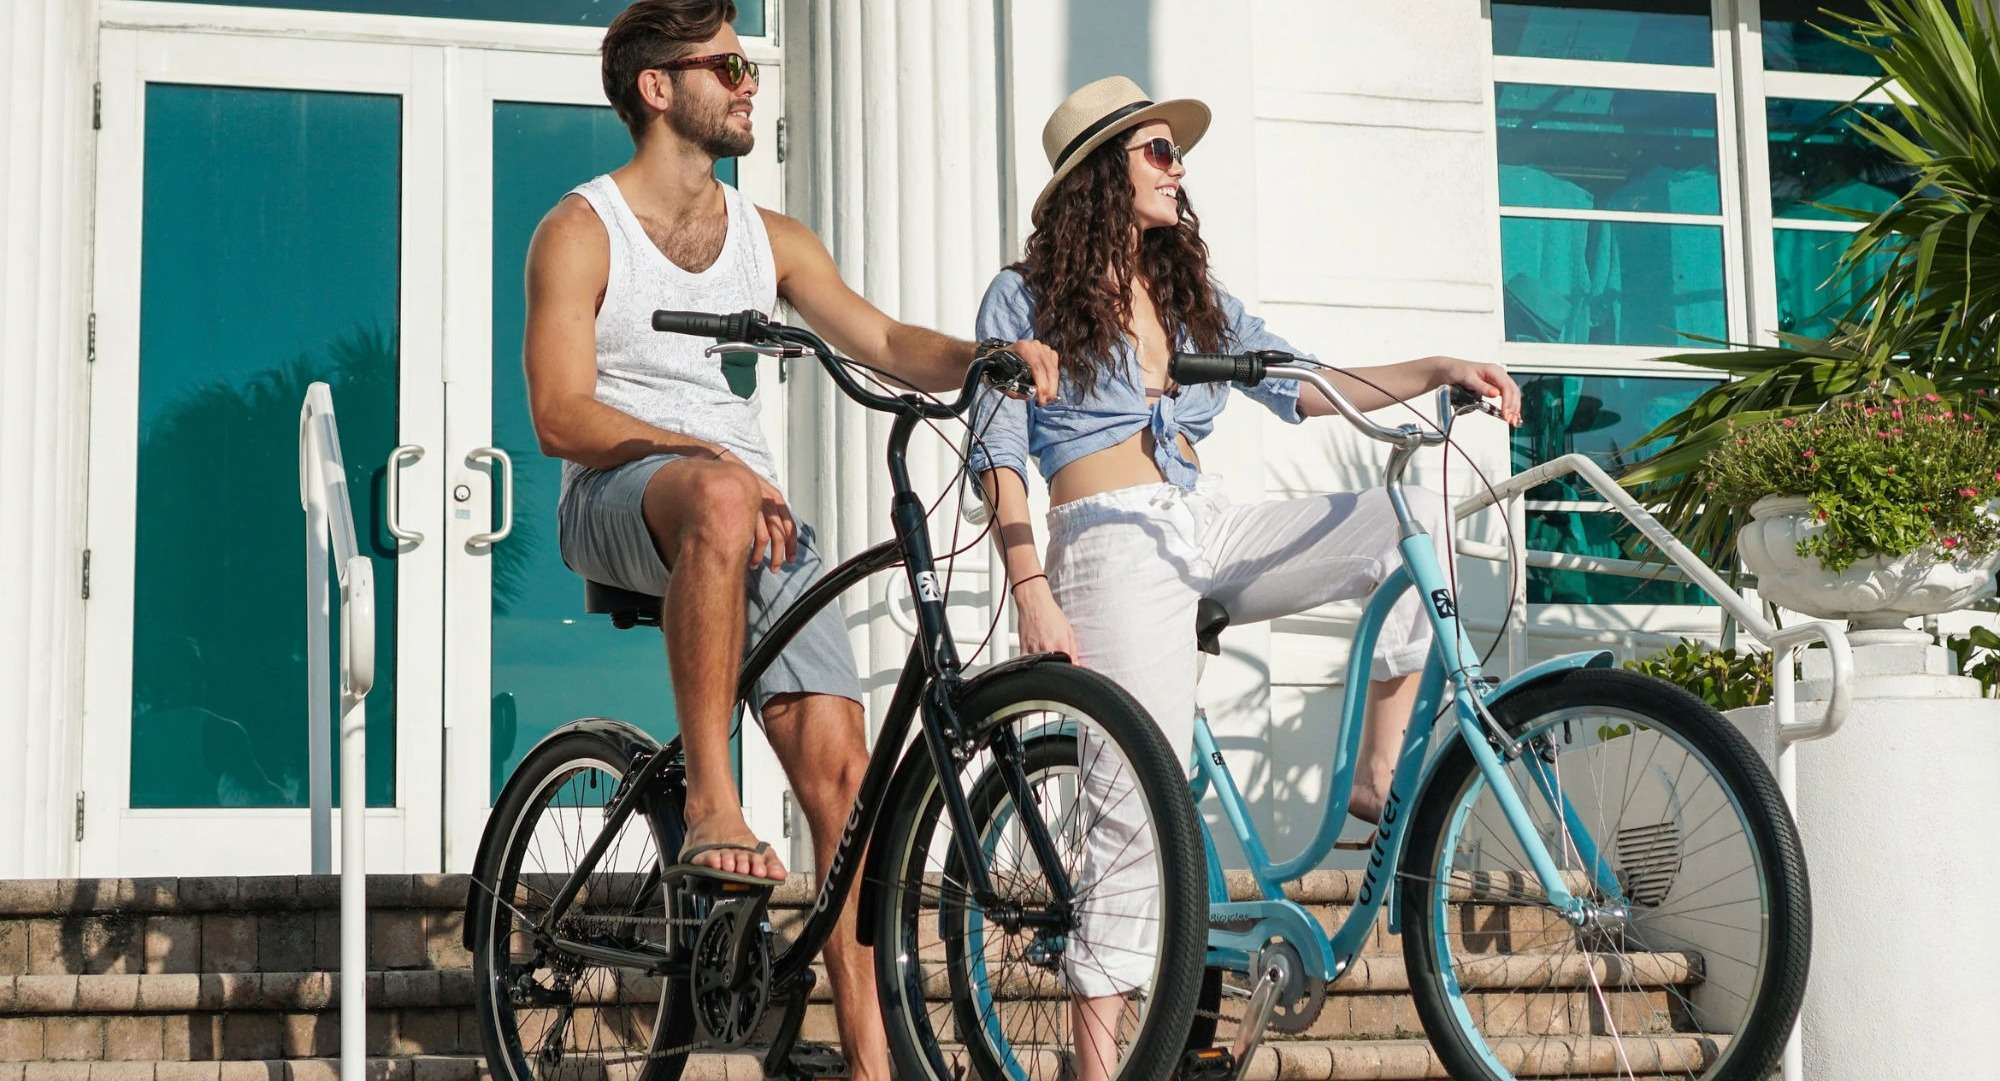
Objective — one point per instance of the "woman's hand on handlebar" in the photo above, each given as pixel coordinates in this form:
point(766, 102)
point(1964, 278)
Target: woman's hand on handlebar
point(1044, 628)
point(1043, 368)
point(1485, 380)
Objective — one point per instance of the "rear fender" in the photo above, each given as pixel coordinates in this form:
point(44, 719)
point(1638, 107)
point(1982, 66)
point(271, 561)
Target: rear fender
point(626, 736)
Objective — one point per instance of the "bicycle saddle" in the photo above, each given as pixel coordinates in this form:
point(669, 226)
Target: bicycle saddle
point(1210, 619)
point(626, 608)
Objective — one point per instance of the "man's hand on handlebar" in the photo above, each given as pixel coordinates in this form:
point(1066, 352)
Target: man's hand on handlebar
point(1484, 380)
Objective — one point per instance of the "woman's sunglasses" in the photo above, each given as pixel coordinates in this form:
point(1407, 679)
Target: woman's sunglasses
point(731, 68)
point(1161, 152)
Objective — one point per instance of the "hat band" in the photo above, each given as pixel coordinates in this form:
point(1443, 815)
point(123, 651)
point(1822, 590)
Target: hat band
point(1103, 122)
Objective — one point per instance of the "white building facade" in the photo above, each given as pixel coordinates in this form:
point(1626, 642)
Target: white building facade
point(208, 206)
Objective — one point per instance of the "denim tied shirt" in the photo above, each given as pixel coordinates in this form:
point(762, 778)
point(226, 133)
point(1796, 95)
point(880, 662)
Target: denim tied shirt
point(1009, 431)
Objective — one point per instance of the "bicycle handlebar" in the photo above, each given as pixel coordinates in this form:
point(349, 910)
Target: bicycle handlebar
point(1249, 369)
point(753, 328)
point(743, 326)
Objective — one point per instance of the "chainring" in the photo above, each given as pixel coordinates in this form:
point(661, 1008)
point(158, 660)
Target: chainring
point(726, 1016)
point(1302, 997)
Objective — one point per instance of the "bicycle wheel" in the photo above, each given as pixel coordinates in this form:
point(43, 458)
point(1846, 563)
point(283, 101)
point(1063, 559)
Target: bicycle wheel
point(1691, 961)
point(1022, 990)
point(546, 1016)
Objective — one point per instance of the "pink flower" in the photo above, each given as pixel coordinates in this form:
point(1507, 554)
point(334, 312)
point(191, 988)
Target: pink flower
point(1949, 542)
point(1789, 422)
point(1809, 452)
point(1897, 413)
point(1968, 492)
point(1870, 411)
point(1996, 474)
point(1946, 415)
point(1930, 397)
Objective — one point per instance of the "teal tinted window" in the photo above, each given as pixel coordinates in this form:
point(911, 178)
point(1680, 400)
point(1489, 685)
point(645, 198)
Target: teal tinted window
point(1636, 31)
point(551, 662)
point(1794, 40)
point(1611, 283)
point(1591, 148)
point(1598, 534)
point(1601, 416)
point(246, 296)
point(1810, 298)
point(1605, 418)
point(750, 14)
point(1818, 157)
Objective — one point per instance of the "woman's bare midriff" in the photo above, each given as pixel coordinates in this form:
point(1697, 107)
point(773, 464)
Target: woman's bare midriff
point(1127, 465)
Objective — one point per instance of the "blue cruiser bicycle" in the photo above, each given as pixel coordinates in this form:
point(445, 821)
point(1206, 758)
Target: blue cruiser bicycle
point(1593, 876)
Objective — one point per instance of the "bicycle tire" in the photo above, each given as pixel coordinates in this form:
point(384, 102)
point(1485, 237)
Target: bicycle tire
point(1711, 1028)
point(556, 764)
point(920, 1030)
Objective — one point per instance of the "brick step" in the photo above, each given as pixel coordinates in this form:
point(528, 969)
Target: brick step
point(292, 923)
point(1386, 1060)
point(732, 1067)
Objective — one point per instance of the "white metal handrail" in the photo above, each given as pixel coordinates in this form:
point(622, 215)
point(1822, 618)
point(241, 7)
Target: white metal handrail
point(1783, 642)
point(330, 523)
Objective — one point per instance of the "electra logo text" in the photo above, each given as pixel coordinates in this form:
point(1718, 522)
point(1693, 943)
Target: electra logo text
point(840, 853)
point(1369, 880)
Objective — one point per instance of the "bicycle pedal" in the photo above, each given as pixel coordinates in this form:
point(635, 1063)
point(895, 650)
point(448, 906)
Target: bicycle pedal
point(817, 1062)
point(1208, 1064)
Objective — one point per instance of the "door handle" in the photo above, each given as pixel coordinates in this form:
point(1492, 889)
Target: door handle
point(407, 453)
point(503, 482)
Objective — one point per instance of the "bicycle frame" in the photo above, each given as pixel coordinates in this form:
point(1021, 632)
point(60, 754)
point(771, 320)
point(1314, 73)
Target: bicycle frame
point(929, 681)
point(1237, 930)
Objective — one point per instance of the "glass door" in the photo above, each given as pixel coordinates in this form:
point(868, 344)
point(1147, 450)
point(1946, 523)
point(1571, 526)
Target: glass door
point(522, 656)
point(266, 217)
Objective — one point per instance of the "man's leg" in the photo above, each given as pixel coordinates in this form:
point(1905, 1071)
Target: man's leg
point(1389, 704)
point(702, 515)
point(818, 739)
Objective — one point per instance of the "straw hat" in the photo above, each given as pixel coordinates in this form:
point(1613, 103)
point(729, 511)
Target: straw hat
point(1100, 111)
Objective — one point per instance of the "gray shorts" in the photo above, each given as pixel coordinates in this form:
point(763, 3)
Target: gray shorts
point(601, 532)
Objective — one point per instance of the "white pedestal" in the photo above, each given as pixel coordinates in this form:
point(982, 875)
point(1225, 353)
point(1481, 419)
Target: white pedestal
point(1900, 814)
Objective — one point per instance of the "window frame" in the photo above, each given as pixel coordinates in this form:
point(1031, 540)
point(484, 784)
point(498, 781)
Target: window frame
point(1741, 88)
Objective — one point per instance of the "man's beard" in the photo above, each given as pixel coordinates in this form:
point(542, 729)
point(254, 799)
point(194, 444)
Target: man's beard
point(711, 132)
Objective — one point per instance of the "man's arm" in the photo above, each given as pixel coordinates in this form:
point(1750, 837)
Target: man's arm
point(569, 262)
point(922, 358)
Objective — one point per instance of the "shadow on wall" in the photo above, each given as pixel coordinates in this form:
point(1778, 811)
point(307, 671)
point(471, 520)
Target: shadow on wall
point(1108, 37)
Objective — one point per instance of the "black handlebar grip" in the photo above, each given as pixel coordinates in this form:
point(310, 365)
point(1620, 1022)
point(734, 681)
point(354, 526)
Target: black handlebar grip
point(1244, 368)
point(743, 326)
point(1462, 398)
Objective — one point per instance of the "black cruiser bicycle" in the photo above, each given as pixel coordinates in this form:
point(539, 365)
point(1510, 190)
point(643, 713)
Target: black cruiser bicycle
point(595, 959)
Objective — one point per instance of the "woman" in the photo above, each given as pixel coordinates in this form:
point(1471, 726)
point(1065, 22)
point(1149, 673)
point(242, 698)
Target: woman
point(1115, 280)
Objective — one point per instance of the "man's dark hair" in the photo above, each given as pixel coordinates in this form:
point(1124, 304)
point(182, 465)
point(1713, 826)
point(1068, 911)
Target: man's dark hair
point(652, 34)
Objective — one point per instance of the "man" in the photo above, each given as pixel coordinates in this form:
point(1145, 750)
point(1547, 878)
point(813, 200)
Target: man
point(667, 485)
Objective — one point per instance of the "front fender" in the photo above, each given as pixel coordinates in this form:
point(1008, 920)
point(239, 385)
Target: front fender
point(627, 736)
point(1512, 685)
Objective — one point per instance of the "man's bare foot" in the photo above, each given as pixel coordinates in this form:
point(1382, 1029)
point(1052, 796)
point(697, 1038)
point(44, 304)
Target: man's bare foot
point(741, 853)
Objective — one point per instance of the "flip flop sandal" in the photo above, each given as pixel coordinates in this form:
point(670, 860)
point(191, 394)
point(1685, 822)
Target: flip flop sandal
point(685, 869)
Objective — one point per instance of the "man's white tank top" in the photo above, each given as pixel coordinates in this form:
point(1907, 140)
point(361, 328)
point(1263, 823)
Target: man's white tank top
point(663, 379)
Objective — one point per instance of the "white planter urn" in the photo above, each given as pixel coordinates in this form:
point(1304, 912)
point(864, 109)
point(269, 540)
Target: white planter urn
point(1873, 594)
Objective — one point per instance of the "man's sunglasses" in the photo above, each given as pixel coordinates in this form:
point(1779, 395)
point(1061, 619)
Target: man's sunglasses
point(1161, 152)
point(731, 68)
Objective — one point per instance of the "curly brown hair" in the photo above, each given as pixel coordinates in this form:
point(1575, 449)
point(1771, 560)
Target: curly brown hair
point(1079, 265)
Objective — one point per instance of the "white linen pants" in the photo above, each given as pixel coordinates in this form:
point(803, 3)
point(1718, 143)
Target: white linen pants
point(1128, 568)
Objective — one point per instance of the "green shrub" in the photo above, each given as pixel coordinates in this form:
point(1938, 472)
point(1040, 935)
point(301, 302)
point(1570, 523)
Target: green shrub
point(1724, 678)
point(1978, 654)
point(1886, 476)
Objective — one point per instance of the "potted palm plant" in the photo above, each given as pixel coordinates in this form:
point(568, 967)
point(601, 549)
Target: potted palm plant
point(1929, 324)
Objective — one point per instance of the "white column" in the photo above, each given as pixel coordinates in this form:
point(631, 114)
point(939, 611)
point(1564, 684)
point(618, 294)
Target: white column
point(47, 50)
point(909, 204)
